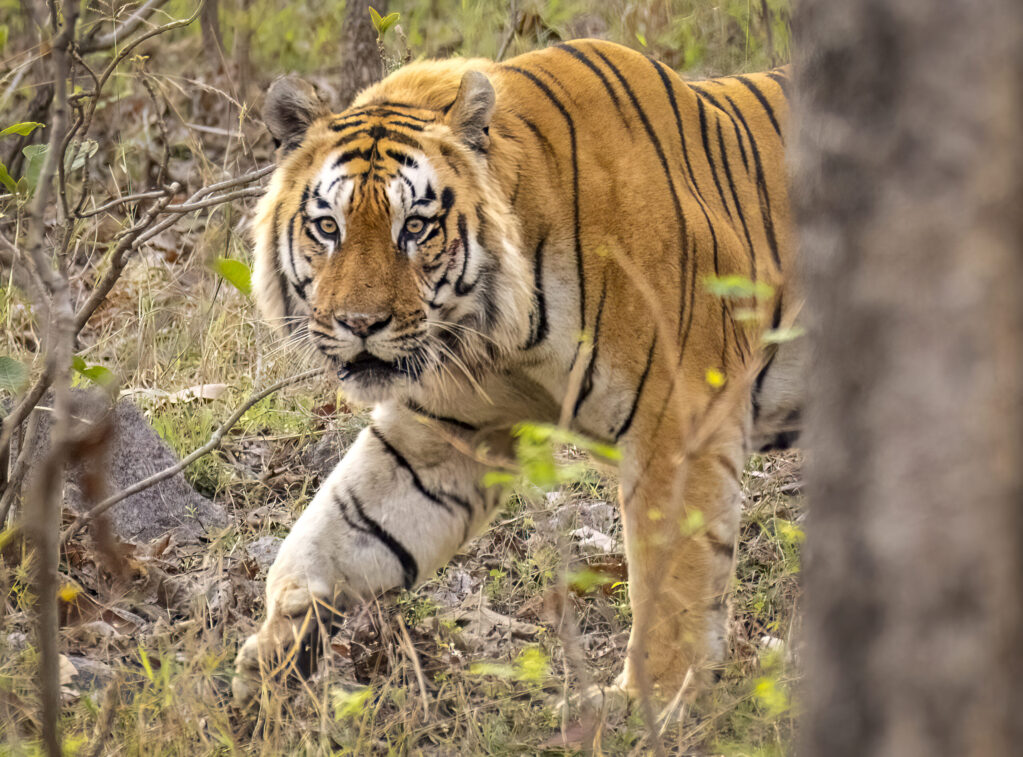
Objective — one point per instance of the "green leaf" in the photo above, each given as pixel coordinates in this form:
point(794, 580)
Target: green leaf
point(7, 180)
point(80, 152)
point(641, 37)
point(100, 375)
point(351, 704)
point(498, 478)
point(34, 157)
point(387, 22)
point(97, 374)
point(735, 286)
point(374, 16)
point(23, 129)
point(236, 273)
point(13, 374)
point(4, 31)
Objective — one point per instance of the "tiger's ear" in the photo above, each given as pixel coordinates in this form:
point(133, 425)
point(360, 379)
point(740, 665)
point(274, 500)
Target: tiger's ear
point(291, 107)
point(469, 115)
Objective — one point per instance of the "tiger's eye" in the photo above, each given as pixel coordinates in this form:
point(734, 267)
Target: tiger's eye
point(415, 225)
point(326, 226)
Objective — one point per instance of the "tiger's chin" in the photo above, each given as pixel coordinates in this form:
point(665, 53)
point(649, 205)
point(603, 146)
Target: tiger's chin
point(368, 379)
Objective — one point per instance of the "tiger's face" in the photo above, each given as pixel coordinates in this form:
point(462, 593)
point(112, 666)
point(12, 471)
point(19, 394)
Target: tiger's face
point(375, 229)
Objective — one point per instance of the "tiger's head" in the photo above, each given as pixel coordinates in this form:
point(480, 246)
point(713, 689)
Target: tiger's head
point(384, 236)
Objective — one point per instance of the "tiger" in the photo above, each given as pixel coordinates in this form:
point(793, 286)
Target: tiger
point(471, 245)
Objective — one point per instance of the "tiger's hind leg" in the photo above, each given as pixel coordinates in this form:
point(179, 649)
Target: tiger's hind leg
point(681, 520)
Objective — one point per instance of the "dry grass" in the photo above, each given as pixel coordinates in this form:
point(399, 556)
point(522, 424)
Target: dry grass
point(153, 638)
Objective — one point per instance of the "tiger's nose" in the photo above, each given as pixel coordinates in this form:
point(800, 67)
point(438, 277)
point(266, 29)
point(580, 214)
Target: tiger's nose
point(363, 324)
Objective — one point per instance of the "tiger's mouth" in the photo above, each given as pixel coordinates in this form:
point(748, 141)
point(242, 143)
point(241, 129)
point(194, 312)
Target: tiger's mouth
point(368, 368)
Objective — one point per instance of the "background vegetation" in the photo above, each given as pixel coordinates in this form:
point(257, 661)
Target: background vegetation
point(150, 638)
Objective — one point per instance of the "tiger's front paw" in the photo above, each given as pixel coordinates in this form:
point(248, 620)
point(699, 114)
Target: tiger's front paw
point(287, 644)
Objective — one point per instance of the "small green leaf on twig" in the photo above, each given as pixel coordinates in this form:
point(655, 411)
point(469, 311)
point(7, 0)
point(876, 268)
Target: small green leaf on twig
point(34, 157)
point(12, 374)
point(97, 374)
point(641, 38)
point(236, 273)
point(81, 151)
point(4, 30)
point(23, 129)
point(382, 24)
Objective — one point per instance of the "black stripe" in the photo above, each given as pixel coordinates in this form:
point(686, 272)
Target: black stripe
point(718, 546)
point(765, 199)
point(603, 79)
point(420, 410)
point(371, 527)
point(738, 135)
point(763, 102)
point(405, 160)
point(709, 155)
point(735, 198)
point(758, 382)
point(538, 325)
point(275, 241)
point(417, 482)
point(541, 137)
point(406, 125)
point(403, 139)
point(349, 155)
point(339, 125)
point(575, 184)
point(461, 288)
point(639, 392)
point(387, 109)
point(587, 384)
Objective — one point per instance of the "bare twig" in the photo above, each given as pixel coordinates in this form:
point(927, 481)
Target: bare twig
point(126, 200)
point(513, 25)
point(125, 29)
point(214, 441)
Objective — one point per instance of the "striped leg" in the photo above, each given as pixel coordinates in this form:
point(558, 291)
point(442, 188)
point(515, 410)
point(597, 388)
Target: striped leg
point(681, 525)
point(396, 508)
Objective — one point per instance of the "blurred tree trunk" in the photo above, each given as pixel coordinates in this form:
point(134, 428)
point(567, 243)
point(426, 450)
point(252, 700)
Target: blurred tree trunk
point(212, 38)
point(909, 190)
point(360, 59)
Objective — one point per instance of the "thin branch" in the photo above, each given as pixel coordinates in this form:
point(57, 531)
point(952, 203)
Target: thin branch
point(125, 29)
point(214, 442)
point(127, 199)
point(211, 201)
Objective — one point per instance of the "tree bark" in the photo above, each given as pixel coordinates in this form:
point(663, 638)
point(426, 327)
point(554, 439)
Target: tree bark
point(361, 64)
point(908, 159)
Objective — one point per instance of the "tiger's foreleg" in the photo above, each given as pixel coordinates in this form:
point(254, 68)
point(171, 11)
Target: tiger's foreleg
point(681, 518)
point(405, 497)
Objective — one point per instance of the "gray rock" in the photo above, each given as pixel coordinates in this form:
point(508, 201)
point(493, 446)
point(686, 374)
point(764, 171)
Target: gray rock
point(264, 551)
point(324, 455)
point(135, 452)
point(90, 674)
